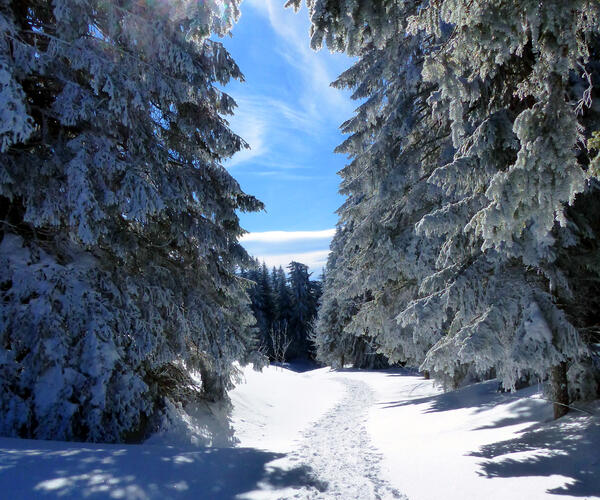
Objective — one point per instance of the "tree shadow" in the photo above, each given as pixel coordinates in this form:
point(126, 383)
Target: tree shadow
point(481, 396)
point(401, 371)
point(45, 469)
point(522, 410)
point(298, 365)
point(520, 406)
point(396, 371)
point(568, 447)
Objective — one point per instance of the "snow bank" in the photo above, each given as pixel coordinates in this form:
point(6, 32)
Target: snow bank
point(476, 443)
point(273, 407)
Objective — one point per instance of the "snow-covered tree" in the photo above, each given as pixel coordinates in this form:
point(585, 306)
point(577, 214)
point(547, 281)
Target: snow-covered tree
point(507, 87)
point(118, 225)
point(262, 302)
point(303, 309)
point(331, 344)
point(503, 79)
point(336, 344)
point(377, 258)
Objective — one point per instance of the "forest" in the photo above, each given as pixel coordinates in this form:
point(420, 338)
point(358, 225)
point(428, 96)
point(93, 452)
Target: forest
point(285, 310)
point(467, 246)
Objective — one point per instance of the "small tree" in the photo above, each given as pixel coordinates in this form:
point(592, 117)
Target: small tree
point(280, 341)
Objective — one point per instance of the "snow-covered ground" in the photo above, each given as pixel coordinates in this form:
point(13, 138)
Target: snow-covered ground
point(330, 434)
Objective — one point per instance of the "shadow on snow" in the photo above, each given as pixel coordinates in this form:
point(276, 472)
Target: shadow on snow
point(46, 469)
point(569, 447)
point(480, 397)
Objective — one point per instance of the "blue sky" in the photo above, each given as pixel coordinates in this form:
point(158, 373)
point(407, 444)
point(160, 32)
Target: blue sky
point(290, 116)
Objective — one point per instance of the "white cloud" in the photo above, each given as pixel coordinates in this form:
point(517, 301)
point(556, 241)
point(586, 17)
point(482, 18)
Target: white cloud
point(267, 122)
point(287, 236)
point(253, 129)
point(318, 70)
point(315, 260)
point(262, 121)
point(279, 248)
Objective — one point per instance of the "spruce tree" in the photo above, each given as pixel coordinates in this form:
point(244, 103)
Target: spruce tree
point(504, 81)
point(512, 91)
point(303, 309)
point(269, 297)
point(119, 233)
point(377, 259)
point(283, 300)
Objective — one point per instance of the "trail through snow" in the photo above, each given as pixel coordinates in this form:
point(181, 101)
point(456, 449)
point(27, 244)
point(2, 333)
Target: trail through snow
point(333, 435)
point(331, 455)
point(339, 450)
point(391, 434)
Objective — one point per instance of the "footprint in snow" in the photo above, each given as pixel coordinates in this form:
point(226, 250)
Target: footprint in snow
point(339, 450)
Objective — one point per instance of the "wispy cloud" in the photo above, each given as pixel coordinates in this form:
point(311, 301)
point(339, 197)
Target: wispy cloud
point(289, 118)
point(264, 122)
point(293, 30)
point(252, 128)
point(287, 236)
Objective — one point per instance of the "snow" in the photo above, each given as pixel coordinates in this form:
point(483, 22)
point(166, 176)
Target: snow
point(46, 469)
point(337, 435)
point(273, 407)
point(478, 443)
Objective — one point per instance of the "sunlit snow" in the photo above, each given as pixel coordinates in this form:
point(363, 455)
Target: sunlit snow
point(336, 434)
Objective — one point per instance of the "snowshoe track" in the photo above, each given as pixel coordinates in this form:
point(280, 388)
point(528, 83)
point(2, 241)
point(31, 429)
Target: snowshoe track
point(339, 451)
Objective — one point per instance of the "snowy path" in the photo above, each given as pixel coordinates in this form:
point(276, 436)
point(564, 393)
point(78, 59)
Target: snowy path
point(339, 450)
point(333, 435)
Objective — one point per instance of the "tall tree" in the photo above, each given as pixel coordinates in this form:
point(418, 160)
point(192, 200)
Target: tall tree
point(269, 305)
point(303, 308)
point(503, 79)
point(283, 299)
point(118, 225)
point(508, 90)
point(263, 304)
point(285, 309)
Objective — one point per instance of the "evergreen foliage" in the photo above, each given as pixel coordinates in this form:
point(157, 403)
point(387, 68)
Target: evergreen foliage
point(469, 184)
point(285, 309)
point(118, 226)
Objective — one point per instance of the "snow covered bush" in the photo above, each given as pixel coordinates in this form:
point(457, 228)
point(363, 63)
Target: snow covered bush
point(118, 225)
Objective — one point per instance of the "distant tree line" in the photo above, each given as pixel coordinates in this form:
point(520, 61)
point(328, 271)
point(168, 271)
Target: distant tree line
point(285, 308)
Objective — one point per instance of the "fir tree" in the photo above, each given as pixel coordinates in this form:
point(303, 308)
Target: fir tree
point(119, 233)
point(269, 305)
point(284, 309)
point(502, 79)
point(303, 309)
point(283, 299)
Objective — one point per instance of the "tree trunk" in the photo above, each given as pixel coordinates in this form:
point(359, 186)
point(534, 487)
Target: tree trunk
point(213, 388)
point(560, 390)
point(426, 374)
